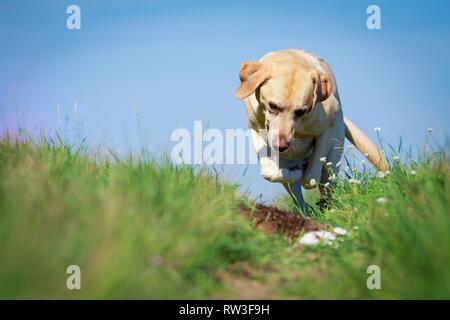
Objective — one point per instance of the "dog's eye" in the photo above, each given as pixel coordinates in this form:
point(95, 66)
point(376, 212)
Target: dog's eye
point(274, 108)
point(299, 112)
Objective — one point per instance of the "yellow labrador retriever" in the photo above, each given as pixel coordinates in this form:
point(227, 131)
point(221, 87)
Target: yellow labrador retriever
point(293, 107)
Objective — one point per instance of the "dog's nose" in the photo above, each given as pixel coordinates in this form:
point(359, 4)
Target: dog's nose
point(283, 144)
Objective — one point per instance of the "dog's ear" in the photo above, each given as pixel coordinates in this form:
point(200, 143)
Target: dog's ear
point(322, 87)
point(252, 75)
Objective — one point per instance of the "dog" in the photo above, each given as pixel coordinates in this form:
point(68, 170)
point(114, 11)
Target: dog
point(294, 112)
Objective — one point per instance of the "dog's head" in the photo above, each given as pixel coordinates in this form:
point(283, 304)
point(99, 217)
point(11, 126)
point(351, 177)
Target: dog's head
point(288, 88)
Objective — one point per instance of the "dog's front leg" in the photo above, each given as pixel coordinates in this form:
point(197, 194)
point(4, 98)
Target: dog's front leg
point(295, 190)
point(313, 172)
point(274, 168)
point(269, 168)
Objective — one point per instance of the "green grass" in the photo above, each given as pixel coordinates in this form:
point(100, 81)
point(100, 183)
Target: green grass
point(136, 229)
point(408, 236)
point(149, 229)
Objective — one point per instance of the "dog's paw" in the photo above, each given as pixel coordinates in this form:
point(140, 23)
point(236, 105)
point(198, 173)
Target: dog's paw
point(271, 172)
point(283, 176)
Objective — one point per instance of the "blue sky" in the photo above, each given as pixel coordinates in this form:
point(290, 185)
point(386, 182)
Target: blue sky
point(173, 62)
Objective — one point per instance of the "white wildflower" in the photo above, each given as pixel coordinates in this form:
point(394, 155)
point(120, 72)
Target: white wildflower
point(329, 164)
point(396, 158)
point(354, 181)
point(327, 184)
point(312, 182)
point(323, 159)
point(413, 172)
point(340, 231)
point(381, 200)
point(333, 177)
point(377, 129)
point(381, 174)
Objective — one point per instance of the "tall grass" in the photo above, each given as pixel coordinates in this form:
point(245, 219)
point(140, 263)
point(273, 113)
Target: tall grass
point(149, 229)
point(399, 222)
point(137, 229)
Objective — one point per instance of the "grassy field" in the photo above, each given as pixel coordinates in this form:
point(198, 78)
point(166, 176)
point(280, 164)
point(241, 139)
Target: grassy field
point(149, 229)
